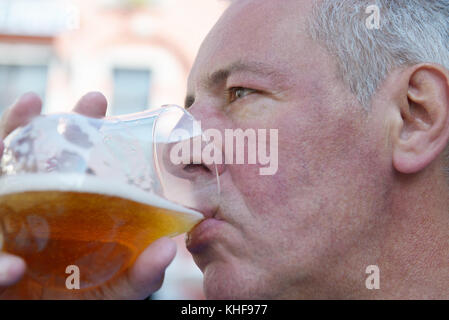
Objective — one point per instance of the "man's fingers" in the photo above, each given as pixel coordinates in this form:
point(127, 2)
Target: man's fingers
point(20, 113)
point(93, 104)
point(144, 277)
point(12, 269)
point(29, 105)
point(147, 273)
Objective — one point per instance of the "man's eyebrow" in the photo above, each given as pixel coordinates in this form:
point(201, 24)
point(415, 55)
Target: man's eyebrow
point(259, 68)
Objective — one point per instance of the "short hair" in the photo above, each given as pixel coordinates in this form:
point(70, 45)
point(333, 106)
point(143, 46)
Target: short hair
point(410, 32)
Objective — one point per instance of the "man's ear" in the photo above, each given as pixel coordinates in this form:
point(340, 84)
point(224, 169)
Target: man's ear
point(423, 132)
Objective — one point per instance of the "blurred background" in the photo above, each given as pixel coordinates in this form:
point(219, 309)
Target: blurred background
point(136, 52)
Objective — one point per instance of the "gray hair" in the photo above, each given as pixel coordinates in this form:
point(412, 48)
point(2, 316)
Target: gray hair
point(410, 32)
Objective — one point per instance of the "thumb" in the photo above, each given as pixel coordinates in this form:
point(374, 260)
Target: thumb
point(147, 274)
point(12, 269)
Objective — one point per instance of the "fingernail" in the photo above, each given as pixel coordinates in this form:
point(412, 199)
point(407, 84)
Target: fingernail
point(21, 97)
point(162, 242)
point(165, 246)
point(5, 266)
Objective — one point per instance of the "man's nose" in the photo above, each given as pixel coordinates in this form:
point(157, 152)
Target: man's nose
point(187, 179)
point(209, 119)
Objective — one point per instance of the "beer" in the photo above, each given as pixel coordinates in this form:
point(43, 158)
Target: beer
point(58, 220)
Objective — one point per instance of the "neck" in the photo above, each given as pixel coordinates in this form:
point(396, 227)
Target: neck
point(409, 244)
point(415, 250)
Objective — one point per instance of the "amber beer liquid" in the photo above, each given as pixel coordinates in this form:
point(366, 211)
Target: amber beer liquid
point(55, 221)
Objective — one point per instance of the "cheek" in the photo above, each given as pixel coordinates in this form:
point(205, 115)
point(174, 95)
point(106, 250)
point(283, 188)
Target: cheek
point(315, 154)
point(266, 193)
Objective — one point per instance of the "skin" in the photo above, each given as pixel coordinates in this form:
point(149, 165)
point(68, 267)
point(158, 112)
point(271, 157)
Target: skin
point(354, 188)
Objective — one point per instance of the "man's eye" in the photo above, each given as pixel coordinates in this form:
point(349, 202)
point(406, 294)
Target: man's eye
point(235, 93)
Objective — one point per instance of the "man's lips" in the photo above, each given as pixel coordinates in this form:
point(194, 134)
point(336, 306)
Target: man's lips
point(202, 234)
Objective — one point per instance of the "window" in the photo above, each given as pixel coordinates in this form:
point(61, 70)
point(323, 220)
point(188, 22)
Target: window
point(131, 90)
point(16, 80)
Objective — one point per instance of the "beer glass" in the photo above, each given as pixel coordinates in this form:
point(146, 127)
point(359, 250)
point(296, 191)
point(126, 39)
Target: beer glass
point(87, 196)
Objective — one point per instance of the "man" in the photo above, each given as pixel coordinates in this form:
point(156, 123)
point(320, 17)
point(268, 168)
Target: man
point(363, 121)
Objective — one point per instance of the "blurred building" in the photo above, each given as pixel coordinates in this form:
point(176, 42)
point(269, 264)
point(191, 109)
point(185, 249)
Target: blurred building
point(137, 52)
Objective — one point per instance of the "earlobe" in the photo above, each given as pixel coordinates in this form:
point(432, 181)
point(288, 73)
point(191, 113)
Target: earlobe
point(423, 132)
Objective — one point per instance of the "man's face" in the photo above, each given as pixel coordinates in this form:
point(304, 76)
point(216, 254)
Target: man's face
point(294, 228)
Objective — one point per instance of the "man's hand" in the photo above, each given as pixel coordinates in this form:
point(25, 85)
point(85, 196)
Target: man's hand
point(138, 282)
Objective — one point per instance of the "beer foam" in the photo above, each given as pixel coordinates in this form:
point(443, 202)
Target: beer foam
point(87, 184)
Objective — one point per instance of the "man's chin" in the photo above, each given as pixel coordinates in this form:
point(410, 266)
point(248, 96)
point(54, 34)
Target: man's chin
point(224, 281)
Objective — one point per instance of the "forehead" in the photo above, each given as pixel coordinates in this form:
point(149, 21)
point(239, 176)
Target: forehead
point(265, 31)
